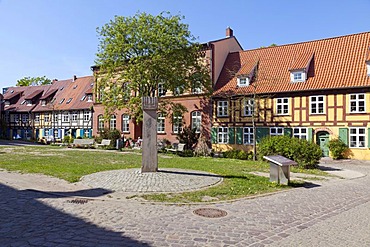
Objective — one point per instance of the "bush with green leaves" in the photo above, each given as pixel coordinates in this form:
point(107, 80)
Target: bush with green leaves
point(189, 137)
point(112, 135)
point(337, 148)
point(306, 154)
point(238, 154)
point(67, 139)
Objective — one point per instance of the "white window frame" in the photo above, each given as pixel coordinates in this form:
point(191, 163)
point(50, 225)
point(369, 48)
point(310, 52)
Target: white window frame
point(248, 105)
point(161, 91)
point(86, 132)
point(196, 121)
point(113, 122)
point(87, 116)
point(355, 103)
point(276, 131)
point(196, 87)
point(100, 123)
point(46, 118)
point(125, 123)
point(176, 124)
point(243, 81)
point(368, 67)
point(298, 76)
point(43, 102)
point(222, 108)
point(89, 98)
point(161, 127)
point(65, 117)
point(37, 117)
point(282, 106)
point(74, 116)
point(223, 135)
point(300, 133)
point(314, 101)
point(248, 135)
point(69, 100)
point(25, 117)
point(357, 139)
point(46, 132)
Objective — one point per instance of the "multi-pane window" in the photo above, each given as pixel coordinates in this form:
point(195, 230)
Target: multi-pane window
point(89, 97)
point(46, 132)
point(113, 122)
point(196, 120)
point(86, 115)
point(222, 108)
point(317, 104)
point(297, 76)
point(248, 107)
point(356, 137)
point(248, 135)
point(46, 118)
point(25, 118)
point(276, 131)
point(300, 133)
point(282, 106)
point(125, 123)
point(100, 122)
point(65, 116)
point(161, 123)
point(56, 117)
point(243, 81)
point(87, 132)
point(222, 135)
point(176, 124)
point(357, 102)
point(74, 116)
point(27, 134)
point(161, 90)
point(16, 118)
point(37, 117)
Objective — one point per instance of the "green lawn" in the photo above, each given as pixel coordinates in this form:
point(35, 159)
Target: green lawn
point(72, 164)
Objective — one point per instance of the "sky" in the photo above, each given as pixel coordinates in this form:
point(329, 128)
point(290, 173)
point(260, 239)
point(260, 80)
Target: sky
point(58, 38)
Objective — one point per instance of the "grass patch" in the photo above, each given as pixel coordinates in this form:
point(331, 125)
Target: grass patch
point(72, 164)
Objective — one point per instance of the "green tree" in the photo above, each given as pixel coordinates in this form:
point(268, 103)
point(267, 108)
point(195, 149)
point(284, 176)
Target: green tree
point(33, 81)
point(138, 53)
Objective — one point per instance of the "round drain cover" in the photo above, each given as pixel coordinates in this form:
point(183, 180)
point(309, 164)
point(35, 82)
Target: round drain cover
point(210, 212)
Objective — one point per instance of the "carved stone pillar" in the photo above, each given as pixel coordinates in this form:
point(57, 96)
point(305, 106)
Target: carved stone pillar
point(149, 145)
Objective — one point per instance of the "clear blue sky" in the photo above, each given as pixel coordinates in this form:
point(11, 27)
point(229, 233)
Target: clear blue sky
point(58, 39)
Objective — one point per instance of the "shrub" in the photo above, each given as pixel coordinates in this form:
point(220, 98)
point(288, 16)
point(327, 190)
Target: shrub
point(189, 137)
point(237, 154)
point(337, 148)
point(67, 139)
point(112, 135)
point(305, 153)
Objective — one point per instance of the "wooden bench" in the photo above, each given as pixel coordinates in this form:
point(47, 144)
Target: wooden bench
point(104, 143)
point(83, 143)
point(177, 147)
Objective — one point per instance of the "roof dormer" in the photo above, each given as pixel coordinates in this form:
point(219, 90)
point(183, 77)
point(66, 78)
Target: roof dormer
point(300, 67)
point(246, 74)
point(243, 81)
point(368, 67)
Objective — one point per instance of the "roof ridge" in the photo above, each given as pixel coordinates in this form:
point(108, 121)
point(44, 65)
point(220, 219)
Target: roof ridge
point(303, 42)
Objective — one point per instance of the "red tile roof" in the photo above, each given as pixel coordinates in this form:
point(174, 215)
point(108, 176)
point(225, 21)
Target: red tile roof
point(337, 63)
point(27, 93)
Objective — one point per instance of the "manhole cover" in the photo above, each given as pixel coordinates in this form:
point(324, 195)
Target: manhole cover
point(210, 212)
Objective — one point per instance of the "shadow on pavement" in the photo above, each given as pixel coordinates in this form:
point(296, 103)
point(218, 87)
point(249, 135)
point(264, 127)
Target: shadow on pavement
point(307, 185)
point(25, 221)
point(83, 193)
point(328, 168)
point(202, 174)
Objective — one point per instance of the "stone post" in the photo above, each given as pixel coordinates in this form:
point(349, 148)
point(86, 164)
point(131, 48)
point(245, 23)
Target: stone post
point(149, 145)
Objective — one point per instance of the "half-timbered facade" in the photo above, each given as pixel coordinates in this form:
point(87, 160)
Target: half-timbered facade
point(316, 90)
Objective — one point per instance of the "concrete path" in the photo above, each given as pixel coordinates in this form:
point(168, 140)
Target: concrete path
point(327, 213)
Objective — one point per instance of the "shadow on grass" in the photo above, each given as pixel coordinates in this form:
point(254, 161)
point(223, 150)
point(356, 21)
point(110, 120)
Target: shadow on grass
point(202, 174)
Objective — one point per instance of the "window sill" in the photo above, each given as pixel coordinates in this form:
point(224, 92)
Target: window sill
point(318, 114)
point(161, 133)
point(222, 116)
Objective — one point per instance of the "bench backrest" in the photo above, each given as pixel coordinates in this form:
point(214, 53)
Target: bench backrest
point(105, 142)
point(181, 147)
point(83, 141)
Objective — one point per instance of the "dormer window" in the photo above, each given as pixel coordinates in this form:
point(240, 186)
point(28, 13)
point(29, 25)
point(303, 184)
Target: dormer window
point(69, 101)
point(7, 103)
point(298, 76)
point(24, 101)
point(61, 101)
point(89, 97)
point(243, 81)
point(29, 102)
point(83, 98)
point(43, 102)
point(368, 67)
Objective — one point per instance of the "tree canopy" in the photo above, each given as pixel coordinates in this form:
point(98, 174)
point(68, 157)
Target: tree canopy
point(138, 53)
point(33, 81)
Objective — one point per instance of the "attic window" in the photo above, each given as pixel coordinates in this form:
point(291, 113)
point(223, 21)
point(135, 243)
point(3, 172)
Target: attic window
point(368, 67)
point(89, 97)
point(12, 91)
point(24, 101)
point(83, 98)
point(61, 101)
point(7, 103)
point(243, 81)
point(69, 101)
point(61, 88)
point(298, 76)
point(29, 102)
point(75, 86)
point(43, 102)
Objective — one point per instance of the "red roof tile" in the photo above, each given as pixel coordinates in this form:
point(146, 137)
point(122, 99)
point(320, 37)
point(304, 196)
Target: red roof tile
point(337, 63)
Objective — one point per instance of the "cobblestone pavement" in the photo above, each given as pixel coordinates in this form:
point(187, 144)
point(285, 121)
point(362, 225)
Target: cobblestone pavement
point(326, 213)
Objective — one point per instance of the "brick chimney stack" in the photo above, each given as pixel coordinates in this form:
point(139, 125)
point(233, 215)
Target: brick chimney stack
point(229, 32)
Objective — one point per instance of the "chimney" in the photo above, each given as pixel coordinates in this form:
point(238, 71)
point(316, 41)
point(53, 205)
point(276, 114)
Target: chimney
point(74, 78)
point(229, 32)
